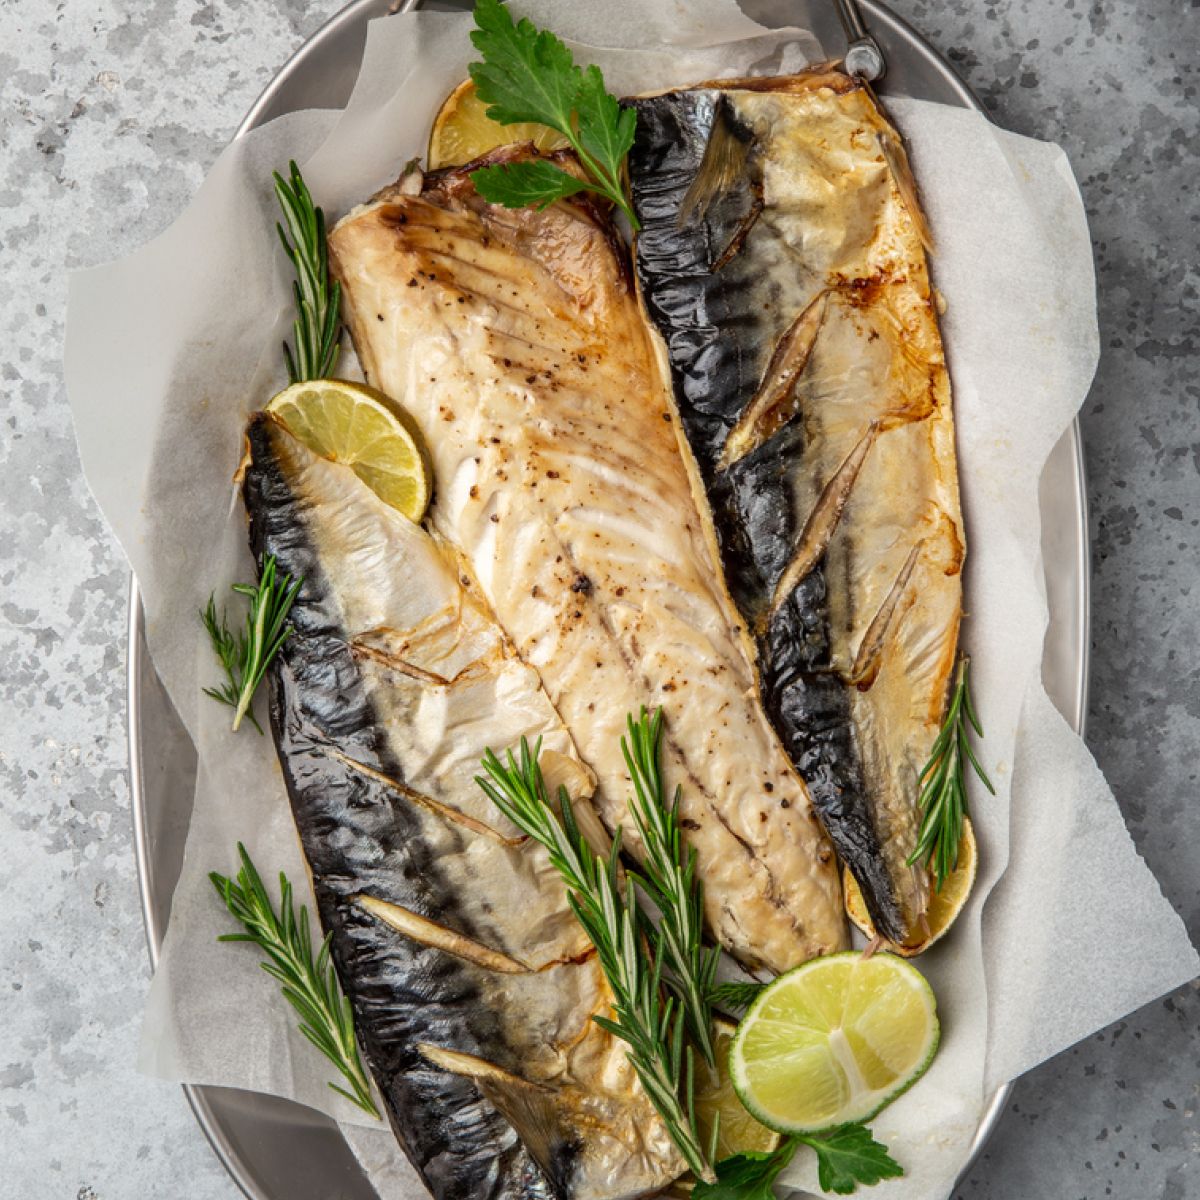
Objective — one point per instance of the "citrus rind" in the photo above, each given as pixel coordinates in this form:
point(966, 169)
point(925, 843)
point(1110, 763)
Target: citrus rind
point(462, 131)
point(737, 1131)
point(944, 906)
point(834, 1041)
point(351, 424)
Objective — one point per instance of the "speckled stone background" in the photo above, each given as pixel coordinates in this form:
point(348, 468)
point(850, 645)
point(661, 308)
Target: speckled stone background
point(110, 113)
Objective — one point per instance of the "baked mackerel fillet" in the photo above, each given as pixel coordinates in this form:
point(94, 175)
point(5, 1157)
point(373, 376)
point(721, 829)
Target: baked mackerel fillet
point(514, 339)
point(781, 261)
point(472, 983)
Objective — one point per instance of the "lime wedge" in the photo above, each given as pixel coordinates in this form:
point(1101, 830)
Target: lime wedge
point(834, 1041)
point(718, 1104)
point(350, 424)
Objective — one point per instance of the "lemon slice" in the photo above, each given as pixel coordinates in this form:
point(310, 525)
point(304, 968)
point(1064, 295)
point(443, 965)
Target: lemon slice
point(944, 905)
point(833, 1041)
point(350, 424)
point(462, 131)
point(737, 1131)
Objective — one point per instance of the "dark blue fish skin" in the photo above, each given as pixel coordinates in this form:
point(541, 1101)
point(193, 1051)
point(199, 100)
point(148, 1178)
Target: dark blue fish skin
point(358, 837)
point(720, 329)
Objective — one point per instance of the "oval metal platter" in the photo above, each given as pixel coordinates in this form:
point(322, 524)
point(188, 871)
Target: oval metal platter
point(275, 1149)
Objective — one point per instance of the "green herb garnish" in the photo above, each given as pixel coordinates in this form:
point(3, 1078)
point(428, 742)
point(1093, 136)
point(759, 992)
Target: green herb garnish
point(316, 327)
point(737, 995)
point(668, 875)
point(528, 74)
point(311, 986)
point(943, 798)
point(633, 953)
point(245, 656)
point(846, 1157)
point(651, 1027)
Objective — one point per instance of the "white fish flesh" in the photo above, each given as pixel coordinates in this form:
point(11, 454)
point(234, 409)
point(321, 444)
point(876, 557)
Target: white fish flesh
point(514, 339)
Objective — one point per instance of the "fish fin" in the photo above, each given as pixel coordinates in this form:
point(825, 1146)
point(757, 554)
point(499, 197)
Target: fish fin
point(870, 652)
point(742, 232)
point(545, 1118)
point(423, 801)
point(721, 166)
point(387, 647)
point(823, 520)
point(773, 404)
point(373, 645)
point(429, 933)
point(896, 157)
point(239, 476)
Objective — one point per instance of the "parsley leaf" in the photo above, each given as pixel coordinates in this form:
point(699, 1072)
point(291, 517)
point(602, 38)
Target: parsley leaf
point(846, 1157)
point(605, 131)
point(748, 1176)
point(529, 75)
point(515, 185)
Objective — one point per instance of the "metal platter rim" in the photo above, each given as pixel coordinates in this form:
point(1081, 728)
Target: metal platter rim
point(202, 1098)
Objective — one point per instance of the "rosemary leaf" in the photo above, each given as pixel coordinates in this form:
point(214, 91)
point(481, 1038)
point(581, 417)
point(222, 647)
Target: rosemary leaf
point(316, 329)
point(309, 985)
point(651, 1027)
point(244, 657)
point(669, 877)
point(737, 995)
point(943, 797)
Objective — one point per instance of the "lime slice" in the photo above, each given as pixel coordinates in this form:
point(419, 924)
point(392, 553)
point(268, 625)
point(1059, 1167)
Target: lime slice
point(350, 424)
point(833, 1041)
point(944, 904)
point(737, 1131)
point(462, 131)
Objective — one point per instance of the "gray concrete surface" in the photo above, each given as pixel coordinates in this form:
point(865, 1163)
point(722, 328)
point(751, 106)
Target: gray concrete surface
point(109, 115)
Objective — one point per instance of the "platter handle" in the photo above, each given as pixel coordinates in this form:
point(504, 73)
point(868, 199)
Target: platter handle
point(863, 55)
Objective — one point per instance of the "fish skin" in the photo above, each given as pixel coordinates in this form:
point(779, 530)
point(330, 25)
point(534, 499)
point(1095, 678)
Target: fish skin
point(395, 665)
point(514, 339)
point(836, 227)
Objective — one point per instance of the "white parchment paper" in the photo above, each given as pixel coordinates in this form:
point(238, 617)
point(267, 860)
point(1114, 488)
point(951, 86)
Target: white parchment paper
point(170, 349)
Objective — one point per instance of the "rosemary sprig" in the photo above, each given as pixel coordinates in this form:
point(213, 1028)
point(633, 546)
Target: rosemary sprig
point(310, 986)
point(943, 798)
point(669, 877)
point(737, 995)
point(316, 328)
point(650, 1026)
point(246, 656)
